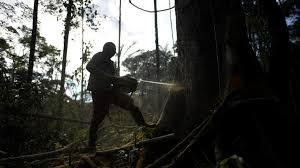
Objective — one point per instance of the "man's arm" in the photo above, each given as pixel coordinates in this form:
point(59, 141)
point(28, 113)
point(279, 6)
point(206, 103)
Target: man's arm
point(97, 72)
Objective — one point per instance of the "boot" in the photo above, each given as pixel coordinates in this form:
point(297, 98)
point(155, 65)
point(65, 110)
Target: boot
point(138, 118)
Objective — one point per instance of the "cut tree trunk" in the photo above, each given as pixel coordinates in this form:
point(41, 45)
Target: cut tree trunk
point(197, 68)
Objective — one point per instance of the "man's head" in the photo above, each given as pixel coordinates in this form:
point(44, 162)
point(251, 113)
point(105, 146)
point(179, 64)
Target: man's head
point(109, 49)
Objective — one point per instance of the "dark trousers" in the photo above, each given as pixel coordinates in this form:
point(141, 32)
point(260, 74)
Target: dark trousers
point(101, 102)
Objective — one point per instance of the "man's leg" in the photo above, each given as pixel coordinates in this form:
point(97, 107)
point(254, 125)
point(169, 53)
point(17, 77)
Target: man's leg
point(126, 102)
point(100, 109)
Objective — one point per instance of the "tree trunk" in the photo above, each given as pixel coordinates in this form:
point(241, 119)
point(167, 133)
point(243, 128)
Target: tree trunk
point(197, 65)
point(156, 43)
point(82, 60)
point(280, 59)
point(197, 53)
point(64, 61)
point(119, 41)
point(244, 68)
point(32, 42)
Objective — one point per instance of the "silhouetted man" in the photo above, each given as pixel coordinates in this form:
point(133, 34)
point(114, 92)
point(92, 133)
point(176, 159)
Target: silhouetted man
point(102, 83)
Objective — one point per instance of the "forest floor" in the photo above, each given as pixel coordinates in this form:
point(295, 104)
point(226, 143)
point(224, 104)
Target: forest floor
point(114, 144)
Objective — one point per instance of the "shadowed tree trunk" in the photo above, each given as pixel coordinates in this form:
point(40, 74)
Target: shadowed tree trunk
point(280, 59)
point(243, 67)
point(197, 66)
point(261, 132)
point(279, 75)
point(83, 59)
point(33, 41)
point(267, 136)
point(198, 62)
point(64, 61)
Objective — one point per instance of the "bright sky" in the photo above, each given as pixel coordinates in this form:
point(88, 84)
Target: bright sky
point(137, 26)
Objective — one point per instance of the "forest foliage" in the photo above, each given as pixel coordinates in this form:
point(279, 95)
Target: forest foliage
point(23, 129)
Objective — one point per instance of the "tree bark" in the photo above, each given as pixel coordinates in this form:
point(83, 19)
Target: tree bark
point(82, 60)
point(64, 61)
point(33, 41)
point(197, 65)
point(119, 41)
point(156, 43)
point(280, 57)
point(243, 69)
point(196, 45)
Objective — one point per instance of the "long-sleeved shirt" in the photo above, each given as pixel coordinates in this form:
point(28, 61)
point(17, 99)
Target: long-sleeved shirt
point(102, 72)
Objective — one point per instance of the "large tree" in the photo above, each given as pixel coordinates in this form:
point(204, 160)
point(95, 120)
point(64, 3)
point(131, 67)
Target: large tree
point(241, 72)
point(197, 65)
point(280, 53)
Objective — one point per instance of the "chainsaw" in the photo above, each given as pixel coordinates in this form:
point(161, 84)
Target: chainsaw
point(126, 84)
